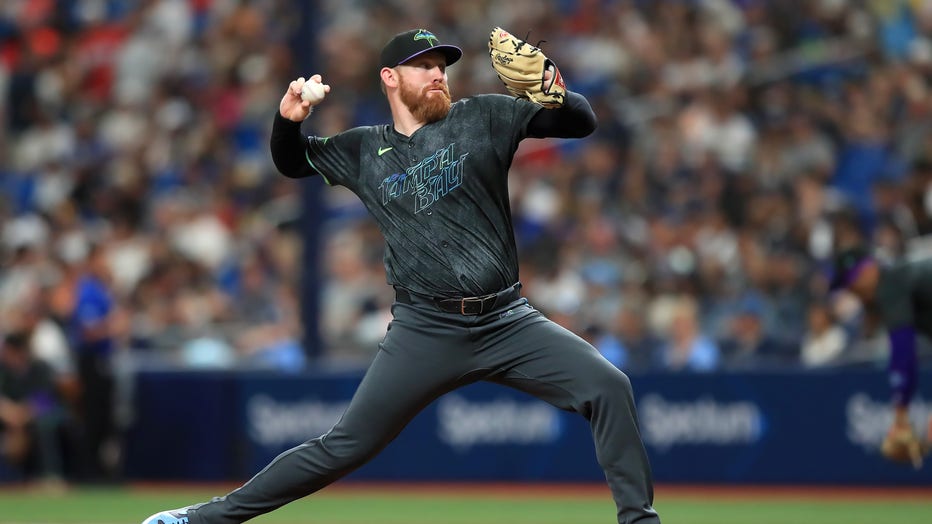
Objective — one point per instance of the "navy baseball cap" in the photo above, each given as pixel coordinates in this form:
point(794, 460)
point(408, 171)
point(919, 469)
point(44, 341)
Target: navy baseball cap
point(405, 46)
point(847, 265)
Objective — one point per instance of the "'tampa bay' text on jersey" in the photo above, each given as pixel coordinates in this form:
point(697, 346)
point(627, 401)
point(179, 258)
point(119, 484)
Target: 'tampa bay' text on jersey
point(440, 196)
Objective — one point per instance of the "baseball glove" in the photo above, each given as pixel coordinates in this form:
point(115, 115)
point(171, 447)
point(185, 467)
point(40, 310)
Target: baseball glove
point(902, 445)
point(521, 67)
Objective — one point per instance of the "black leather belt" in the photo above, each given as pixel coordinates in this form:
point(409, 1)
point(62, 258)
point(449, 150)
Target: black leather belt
point(464, 305)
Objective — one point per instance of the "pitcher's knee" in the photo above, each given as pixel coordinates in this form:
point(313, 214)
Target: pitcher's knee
point(612, 382)
point(347, 452)
point(605, 392)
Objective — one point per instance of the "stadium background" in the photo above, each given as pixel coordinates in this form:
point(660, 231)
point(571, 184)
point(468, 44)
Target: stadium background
point(688, 239)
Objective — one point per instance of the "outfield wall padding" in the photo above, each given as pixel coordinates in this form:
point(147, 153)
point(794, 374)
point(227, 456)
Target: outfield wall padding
point(756, 428)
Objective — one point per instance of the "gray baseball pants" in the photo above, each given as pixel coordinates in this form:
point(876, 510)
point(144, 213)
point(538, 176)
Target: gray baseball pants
point(427, 353)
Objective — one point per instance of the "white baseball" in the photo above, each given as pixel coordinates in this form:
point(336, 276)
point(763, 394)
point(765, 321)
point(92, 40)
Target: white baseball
point(313, 92)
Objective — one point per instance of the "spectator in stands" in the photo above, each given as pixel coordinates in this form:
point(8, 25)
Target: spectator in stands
point(748, 345)
point(48, 342)
point(685, 347)
point(30, 412)
point(635, 339)
point(825, 341)
point(92, 332)
point(270, 312)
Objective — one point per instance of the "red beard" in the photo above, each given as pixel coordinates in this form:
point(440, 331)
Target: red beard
point(426, 106)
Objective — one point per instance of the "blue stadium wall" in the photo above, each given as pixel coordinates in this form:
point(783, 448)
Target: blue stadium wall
point(810, 428)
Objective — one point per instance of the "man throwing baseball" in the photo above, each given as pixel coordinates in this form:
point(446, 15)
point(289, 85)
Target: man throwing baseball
point(436, 182)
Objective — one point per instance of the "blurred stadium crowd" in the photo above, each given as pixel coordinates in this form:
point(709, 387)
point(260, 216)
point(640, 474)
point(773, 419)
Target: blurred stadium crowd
point(740, 141)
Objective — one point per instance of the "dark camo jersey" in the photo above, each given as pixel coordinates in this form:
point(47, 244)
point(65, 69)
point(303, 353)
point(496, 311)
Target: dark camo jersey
point(423, 189)
point(904, 295)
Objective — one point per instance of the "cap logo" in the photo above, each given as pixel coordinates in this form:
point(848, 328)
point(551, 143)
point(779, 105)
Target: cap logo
point(423, 34)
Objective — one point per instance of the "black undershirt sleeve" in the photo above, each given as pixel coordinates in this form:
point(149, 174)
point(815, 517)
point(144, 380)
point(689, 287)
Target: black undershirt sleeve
point(288, 147)
point(574, 120)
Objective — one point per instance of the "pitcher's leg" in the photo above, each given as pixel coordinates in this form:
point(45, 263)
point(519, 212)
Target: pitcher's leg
point(551, 363)
point(408, 373)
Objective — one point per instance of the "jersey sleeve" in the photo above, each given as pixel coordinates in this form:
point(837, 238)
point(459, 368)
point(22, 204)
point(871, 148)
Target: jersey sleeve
point(508, 117)
point(510, 113)
point(335, 158)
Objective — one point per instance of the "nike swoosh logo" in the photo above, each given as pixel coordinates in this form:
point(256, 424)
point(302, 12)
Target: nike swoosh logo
point(383, 150)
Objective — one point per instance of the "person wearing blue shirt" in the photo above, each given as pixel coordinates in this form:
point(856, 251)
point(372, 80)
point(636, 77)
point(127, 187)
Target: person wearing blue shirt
point(93, 344)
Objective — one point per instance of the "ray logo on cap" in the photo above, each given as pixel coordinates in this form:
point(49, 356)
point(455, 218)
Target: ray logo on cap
point(423, 34)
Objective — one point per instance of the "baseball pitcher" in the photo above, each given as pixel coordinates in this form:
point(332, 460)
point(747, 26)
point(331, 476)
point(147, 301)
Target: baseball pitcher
point(435, 180)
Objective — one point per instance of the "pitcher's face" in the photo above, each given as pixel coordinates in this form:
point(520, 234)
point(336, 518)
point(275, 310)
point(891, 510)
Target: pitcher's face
point(423, 87)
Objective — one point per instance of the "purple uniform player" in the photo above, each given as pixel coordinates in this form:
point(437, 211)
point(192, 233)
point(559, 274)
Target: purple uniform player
point(899, 295)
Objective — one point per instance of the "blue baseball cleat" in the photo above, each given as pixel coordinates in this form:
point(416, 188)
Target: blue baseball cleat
point(175, 516)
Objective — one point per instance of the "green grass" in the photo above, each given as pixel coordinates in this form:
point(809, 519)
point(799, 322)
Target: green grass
point(496, 506)
point(783, 512)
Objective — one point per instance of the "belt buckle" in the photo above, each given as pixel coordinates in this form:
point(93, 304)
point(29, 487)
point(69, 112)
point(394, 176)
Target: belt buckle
point(470, 300)
point(482, 301)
